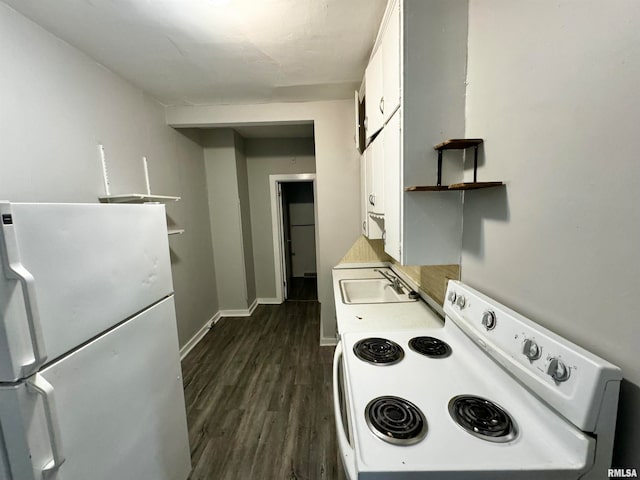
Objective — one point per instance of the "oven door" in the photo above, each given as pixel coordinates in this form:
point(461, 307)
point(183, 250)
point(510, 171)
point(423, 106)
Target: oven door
point(342, 416)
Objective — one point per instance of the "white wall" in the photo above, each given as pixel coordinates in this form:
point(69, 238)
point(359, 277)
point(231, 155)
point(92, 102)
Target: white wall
point(245, 217)
point(271, 156)
point(225, 218)
point(56, 105)
point(302, 225)
point(337, 170)
point(553, 90)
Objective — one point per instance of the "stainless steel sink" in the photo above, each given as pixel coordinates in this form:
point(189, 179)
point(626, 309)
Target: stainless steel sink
point(372, 290)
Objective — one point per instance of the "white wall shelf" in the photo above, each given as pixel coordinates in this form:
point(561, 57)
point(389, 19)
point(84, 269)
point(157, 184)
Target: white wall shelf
point(143, 198)
point(137, 198)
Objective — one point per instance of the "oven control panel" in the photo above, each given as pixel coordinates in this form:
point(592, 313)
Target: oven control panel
point(568, 377)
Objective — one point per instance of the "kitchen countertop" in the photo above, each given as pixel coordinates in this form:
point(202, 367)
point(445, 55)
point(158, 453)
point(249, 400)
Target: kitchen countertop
point(379, 316)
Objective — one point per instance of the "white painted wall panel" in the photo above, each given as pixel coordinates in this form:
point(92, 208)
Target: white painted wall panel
point(271, 156)
point(552, 88)
point(226, 219)
point(303, 245)
point(337, 173)
point(56, 105)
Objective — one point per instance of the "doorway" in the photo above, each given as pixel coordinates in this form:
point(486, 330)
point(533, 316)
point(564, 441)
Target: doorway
point(299, 232)
point(295, 236)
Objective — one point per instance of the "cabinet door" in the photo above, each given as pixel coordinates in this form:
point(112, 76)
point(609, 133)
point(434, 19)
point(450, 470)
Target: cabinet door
point(371, 225)
point(364, 196)
point(391, 64)
point(377, 150)
point(373, 96)
point(392, 187)
point(368, 157)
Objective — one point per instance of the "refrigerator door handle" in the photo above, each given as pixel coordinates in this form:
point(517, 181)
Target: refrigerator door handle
point(11, 258)
point(37, 384)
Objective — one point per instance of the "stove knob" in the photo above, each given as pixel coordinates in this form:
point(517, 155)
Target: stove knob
point(558, 370)
point(531, 350)
point(452, 297)
point(489, 320)
point(460, 302)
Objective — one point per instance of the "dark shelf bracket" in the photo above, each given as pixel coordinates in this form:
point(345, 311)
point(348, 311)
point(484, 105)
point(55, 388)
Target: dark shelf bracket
point(475, 164)
point(459, 144)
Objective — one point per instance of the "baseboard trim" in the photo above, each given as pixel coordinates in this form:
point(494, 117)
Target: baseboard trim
point(328, 341)
point(253, 306)
point(193, 341)
point(241, 312)
point(269, 301)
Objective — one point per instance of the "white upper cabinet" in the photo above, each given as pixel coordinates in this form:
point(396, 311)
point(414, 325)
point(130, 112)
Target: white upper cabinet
point(391, 63)
point(374, 102)
point(418, 88)
point(382, 76)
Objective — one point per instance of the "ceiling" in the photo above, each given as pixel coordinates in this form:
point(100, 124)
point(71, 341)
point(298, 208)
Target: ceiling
point(200, 52)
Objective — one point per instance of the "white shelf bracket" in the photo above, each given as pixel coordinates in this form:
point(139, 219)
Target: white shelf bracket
point(146, 174)
point(105, 175)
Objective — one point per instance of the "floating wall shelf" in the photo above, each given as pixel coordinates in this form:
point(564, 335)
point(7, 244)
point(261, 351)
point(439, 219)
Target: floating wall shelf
point(456, 144)
point(137, 198)
point(134, 197)
point(454, 186)
point(143, 198)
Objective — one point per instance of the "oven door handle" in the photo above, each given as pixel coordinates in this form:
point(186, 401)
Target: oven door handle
point(346, 451)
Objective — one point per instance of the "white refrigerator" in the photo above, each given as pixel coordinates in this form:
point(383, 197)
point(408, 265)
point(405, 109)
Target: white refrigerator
point(90, 378)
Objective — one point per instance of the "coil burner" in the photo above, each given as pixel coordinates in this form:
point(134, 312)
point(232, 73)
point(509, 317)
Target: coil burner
point(396, 420)
point(378, 351)
point(482, 418)
point(430, 346)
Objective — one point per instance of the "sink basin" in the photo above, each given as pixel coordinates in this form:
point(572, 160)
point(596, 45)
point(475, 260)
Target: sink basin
point(371, 290)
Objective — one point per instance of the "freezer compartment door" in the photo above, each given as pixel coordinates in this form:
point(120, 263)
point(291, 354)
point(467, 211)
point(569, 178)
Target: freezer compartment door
point(119, 409)
point(70, 272)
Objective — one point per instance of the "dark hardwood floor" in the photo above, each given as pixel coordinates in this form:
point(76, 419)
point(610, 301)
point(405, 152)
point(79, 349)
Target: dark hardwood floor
point(303, 288)
point(259, 399)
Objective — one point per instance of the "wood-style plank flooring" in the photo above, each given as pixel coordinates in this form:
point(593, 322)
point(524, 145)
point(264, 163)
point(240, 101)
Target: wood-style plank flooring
point(303, 288)
point(259, 399)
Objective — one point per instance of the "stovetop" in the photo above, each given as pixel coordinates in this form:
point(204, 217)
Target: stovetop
point(536, 439)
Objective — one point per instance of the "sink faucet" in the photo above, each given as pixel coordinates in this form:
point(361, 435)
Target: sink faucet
point(395, 281)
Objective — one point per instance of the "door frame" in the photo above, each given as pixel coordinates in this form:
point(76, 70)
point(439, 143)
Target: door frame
point(277, 224)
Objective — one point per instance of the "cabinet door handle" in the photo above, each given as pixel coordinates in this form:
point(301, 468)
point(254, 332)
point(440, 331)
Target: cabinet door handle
point(366, 123)
point(382, 105)
point(364, 225)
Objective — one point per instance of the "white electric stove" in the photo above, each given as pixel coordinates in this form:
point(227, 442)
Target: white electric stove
point(491, 395)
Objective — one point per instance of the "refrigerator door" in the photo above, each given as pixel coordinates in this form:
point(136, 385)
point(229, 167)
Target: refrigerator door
point(70, 272)
point(119, 409)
